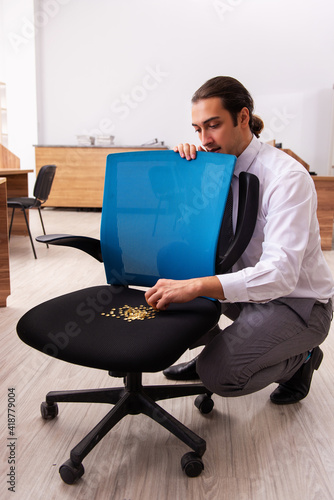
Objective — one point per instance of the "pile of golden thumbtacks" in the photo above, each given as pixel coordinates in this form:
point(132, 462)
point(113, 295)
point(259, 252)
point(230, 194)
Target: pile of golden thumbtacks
point(131, 313)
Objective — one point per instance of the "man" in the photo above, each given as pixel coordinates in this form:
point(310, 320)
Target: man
point(279, 292)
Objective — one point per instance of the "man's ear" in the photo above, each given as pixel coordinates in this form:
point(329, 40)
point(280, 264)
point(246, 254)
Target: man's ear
point(244, 117)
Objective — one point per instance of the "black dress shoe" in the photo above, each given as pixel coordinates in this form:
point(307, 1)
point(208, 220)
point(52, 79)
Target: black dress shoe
point(297, 388)
point(183, 371)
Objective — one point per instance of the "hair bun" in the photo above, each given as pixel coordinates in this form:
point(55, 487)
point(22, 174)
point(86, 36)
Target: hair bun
point(257, 125)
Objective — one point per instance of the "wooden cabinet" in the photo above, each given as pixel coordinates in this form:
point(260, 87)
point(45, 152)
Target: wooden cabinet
point(4, 252)
point(79, 178)
point(325, 212)
point(17, 185)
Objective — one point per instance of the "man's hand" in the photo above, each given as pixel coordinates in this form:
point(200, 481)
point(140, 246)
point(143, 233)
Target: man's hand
point(166, 292)
point(187, 151)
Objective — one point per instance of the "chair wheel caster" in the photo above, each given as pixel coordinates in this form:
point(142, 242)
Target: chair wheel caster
point(192, 464)
point(204, 403)
point(69, 472)
point(49, 411)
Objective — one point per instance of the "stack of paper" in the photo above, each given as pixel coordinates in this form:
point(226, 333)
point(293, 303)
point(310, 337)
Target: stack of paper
point(104, 140)
point(85, 140)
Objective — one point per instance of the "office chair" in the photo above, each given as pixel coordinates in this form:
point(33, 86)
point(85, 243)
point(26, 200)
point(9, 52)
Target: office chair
point(111, 327)
point(41, 193)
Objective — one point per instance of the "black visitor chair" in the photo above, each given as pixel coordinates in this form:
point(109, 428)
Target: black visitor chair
point(41, 193)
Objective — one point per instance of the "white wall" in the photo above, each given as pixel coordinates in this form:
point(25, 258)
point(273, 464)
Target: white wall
point(2, 48)
point(129, 67)
point(19, 70)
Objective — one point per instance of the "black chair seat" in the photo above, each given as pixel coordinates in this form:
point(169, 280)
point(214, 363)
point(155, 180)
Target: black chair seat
point(23, 202)
point(90, 328)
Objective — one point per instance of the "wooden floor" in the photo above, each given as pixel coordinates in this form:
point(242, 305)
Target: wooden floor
point(255, 450)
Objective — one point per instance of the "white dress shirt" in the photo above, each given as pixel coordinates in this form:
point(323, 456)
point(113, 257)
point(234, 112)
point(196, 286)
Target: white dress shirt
point(284, 257)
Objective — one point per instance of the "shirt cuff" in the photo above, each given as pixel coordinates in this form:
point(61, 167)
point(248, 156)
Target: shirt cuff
point(234, 287)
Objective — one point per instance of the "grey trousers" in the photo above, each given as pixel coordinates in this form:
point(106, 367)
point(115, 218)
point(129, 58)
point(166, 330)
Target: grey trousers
point(266, 343)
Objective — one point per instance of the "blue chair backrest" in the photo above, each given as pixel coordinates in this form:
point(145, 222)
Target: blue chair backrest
point(161, 215)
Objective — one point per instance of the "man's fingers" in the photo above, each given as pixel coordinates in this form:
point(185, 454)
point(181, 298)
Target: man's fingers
point(150, 297)
point(158, 303)
point(156, 296)
point(186, 150)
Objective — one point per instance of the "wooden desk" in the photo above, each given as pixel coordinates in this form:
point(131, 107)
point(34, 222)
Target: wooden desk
point(17, 185)
point(325, 192)
point(4, 251)
point(79, 178)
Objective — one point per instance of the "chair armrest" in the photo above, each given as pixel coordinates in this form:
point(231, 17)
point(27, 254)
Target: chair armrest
point(247, 215)
point(88, 245)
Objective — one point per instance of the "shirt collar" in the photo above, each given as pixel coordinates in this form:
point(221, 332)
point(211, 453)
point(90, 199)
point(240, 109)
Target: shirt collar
point(247, 157)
